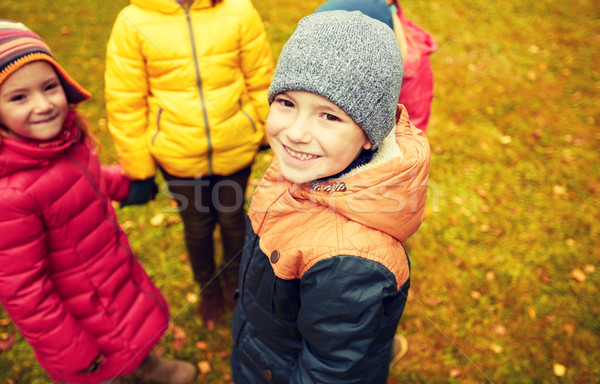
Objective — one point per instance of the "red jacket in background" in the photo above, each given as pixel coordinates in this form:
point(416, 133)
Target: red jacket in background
point(417, 85)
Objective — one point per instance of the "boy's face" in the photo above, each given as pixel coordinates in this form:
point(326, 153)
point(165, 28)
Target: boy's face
point(33, 104)
point(311, 136)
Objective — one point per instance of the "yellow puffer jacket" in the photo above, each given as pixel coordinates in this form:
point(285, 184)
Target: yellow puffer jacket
point(186, 87)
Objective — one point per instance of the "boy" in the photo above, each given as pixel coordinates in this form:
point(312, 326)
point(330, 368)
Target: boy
point(324, 276)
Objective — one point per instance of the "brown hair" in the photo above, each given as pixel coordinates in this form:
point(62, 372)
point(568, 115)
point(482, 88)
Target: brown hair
point(82, 123)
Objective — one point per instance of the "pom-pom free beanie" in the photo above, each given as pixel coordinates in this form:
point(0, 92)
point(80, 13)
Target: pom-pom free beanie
point(377, 9)
point(19, 46)
point(349, 58)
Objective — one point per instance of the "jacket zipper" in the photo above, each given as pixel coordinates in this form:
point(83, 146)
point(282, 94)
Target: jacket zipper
point(199, 88)
point(157, 124)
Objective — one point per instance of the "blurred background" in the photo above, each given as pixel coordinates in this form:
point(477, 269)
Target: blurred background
point(505, 269)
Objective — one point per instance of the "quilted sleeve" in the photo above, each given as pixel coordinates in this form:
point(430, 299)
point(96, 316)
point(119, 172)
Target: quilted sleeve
point(27, 293)
point(117, 184)
point(126, 91)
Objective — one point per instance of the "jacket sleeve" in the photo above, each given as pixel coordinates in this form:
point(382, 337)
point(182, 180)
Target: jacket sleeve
point(27, 294)
point(126, 93)
point(256, 63)
point(350, 308)
point(117, 184)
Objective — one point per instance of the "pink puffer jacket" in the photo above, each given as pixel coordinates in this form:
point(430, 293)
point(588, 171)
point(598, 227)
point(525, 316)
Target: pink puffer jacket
point(417, 85)
point(68, 277)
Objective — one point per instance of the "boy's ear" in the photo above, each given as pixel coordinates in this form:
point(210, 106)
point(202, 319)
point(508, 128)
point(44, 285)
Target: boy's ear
point(367, 145)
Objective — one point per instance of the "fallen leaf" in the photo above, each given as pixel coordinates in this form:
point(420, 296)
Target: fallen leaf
point(157, 220)
point(4, 321)
point(432, 300)
point(578, 275)
point(505, 139)
point(455, 372)
point(490, 276)
point(202, 345)
point(570, 242)
point(559, 189)
point(127, 225)
point(475, 295)
point(179, 333)
point(589, 269)
point(204, 367)
point(191, 297)
point(499, 330)
point(537, 133)
point(173, 220)
point(559, 369)
point(6, 341)
point(159, 350)
point(64, 30)
point(569, 328)
point(495, 348)
point(531, 313)
point(179, 344)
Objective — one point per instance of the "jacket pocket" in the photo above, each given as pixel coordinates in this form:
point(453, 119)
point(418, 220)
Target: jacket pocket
point(258, 358)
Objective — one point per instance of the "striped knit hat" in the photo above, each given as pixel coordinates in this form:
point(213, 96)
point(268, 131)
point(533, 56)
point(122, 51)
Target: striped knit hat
point(20, 46)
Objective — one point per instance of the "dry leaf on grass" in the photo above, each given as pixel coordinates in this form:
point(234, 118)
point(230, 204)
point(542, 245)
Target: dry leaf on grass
point(578, 275)
point(559, 369)
point(204, 367)
point(6, 341)
point(202, 345)
point(157, 220)
point(455, 372)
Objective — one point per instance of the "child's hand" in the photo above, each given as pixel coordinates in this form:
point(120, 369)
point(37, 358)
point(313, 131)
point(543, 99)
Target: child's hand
point(141, 192)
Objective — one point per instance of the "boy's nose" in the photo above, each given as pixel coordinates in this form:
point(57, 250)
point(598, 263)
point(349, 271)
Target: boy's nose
point(298, 131)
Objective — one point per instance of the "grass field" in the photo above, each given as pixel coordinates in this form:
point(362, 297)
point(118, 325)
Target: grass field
point(506, 279)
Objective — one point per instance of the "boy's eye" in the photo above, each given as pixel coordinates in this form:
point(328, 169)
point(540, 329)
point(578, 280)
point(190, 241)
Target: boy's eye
point(284, 102)
point(331, 117)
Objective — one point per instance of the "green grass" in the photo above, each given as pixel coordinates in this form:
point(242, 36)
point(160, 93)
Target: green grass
point(513, 205)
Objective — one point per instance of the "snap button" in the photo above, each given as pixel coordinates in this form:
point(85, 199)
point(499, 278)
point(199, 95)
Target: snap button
point(275, 256)
point(267, 375)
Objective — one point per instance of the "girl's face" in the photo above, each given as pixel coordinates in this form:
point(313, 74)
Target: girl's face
point(311, 136)
point(33, 104)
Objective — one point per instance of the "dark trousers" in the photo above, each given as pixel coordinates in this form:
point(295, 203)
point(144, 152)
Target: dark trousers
point(203, 203)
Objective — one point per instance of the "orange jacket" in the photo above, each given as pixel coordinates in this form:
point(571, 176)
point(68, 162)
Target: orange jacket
point(324, 277)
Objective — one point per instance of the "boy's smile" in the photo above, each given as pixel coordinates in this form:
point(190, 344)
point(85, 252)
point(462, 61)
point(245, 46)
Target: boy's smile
point(311, 136)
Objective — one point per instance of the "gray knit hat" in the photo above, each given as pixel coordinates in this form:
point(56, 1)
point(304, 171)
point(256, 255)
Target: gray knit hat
point(349, 58)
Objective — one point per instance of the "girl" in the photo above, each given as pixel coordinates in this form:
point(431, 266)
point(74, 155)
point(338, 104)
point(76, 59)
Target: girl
point(68, 277)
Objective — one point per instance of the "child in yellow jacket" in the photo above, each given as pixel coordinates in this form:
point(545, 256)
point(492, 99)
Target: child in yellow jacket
point(186, 91)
